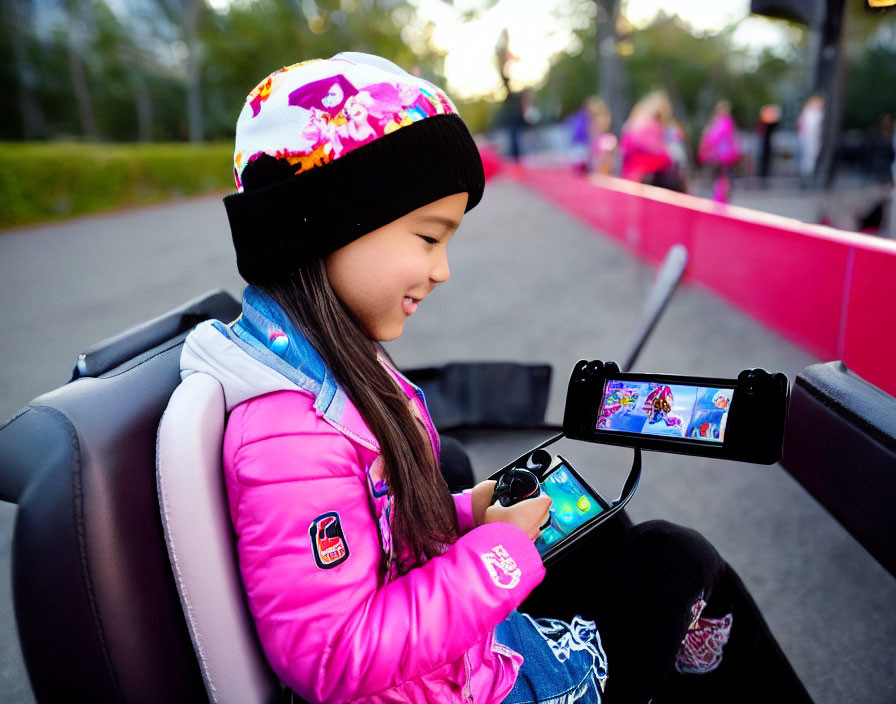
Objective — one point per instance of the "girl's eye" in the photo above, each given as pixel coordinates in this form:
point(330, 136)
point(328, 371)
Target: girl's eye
point(428, 240)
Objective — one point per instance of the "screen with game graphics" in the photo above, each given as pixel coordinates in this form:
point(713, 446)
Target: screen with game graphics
point(671, 410)
point(572, 505)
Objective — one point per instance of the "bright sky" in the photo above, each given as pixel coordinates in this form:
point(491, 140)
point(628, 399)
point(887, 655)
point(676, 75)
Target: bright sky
point(540, 28)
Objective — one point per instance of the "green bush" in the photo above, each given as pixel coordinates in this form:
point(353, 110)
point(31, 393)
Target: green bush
point(42, 181)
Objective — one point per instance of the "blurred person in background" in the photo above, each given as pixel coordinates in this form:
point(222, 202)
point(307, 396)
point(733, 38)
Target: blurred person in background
point(769, 119)
point(592, 142)
point(517, 104)
point(720, 149)
point(642, 141)
point(514, 118)
point(675, 178)
point(808, 130)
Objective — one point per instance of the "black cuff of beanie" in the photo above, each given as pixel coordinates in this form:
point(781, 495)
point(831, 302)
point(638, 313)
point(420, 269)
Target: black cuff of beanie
point(278, 227)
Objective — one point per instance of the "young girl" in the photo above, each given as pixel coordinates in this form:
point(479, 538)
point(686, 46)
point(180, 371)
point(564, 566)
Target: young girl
point(366, 579)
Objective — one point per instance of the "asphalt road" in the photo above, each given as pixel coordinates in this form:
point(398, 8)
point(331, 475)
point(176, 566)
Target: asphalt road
point(528, 284)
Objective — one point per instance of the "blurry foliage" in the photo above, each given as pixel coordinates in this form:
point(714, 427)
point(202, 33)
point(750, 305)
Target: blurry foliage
point(135, 60)
point(479, 115)
point(135, 63)
point(697, 70)
point(50, 180)
point(871, 68)
point(870, 88)
point(571, 79)
point(254, 39)
point(10, 113)
point(694, 71)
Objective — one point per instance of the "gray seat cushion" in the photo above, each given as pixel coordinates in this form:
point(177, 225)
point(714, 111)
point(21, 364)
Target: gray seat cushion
point(199, 536)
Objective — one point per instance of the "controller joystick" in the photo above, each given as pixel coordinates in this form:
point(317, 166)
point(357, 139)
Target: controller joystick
point(515, 485)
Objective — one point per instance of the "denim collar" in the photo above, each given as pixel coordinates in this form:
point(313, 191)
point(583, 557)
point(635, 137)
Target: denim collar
point(266, 333)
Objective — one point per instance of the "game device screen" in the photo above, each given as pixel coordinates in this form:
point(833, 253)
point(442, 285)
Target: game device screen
point(677, 410)
point(572, 505)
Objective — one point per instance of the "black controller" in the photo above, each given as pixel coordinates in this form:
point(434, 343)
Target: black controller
point(522, 481)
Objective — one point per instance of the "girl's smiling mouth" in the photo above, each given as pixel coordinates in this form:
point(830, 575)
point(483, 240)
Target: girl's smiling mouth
point(410, 304)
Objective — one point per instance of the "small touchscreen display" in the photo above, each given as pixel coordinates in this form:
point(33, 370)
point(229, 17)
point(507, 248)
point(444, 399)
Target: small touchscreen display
point(671, 410)
point(572, 505)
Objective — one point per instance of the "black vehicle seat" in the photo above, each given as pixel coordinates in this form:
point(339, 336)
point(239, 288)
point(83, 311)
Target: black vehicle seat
point(199, 535)
point(97, 610)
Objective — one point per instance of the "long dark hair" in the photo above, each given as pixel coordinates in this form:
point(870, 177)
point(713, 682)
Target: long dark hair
point(424, 519)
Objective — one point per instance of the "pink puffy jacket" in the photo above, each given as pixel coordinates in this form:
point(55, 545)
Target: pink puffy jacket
point(312, 518)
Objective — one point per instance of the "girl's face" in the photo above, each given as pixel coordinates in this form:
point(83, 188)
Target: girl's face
point(382, 276)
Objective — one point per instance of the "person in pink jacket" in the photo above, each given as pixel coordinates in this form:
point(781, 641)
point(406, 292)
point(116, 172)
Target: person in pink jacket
point(342, 609)
point(645, 151)
point(366, 579)
point(720, 149)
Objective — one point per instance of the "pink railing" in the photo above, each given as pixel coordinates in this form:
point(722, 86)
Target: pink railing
point(829, 291)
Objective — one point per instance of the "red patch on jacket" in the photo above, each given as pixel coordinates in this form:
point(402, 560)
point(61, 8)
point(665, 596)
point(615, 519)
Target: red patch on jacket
point(328, 540)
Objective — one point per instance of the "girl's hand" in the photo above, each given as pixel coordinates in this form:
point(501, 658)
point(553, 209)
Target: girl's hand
point(482, 499)
point(529, 514)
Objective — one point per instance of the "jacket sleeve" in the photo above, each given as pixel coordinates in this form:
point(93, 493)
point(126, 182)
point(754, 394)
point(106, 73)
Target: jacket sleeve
point(338, 633)
point(463, 504)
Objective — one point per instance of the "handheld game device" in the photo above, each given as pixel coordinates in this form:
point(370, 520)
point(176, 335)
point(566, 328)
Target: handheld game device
point(576, 508)
point(737, 419)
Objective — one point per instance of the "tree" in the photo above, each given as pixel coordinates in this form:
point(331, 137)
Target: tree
point(81, 19)
point(871, 61)
point(608, 65)
point(19, 71)
point(191, 11)
point(250, 40)
point(176, 69)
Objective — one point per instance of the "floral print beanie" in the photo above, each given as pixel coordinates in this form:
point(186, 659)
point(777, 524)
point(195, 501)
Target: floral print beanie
point(331, 149)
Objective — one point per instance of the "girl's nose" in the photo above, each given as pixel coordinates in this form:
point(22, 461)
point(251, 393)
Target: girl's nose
point(441, 272)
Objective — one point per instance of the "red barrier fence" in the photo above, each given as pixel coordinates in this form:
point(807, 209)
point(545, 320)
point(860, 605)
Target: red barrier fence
point(822, 288)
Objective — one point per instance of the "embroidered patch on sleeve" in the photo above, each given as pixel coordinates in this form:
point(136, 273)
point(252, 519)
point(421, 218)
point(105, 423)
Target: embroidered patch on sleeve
point(328, 541)
point(502, 568)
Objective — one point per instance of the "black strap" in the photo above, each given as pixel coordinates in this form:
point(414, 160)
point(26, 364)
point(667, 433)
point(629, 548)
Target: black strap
point(628, 489)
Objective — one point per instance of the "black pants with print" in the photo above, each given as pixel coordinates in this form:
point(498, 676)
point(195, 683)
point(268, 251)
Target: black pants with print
point(639, 584)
